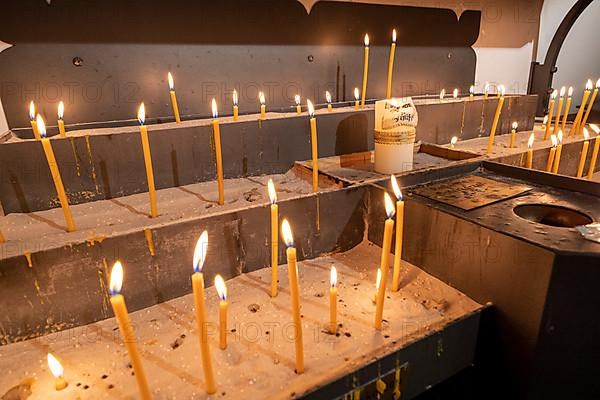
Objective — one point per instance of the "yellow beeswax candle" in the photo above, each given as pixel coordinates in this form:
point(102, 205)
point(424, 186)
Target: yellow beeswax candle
point(2, 239)
point(328, 99)
point(471, 93)
point(297, 99)
point(57, 371)
point(591, 105)
point(377, 285)
point(530, 151)
point(333, 300)
point(119, 307)
point(584, 151)
point(286, 232)
point(388, 93)
point(356, 98)
point(55, 172)
point(147, 160)
point(235, 106)
point(399, 234)
point(32, 119)
point(173, 98)
point(496, 119)
point(223, 305)
point(486, 90)
point(315, 147)
point(513, 135)
point(550, 114)
point(61, 121)
point(218, 152)
point(385, 254)
point(595, 152)
point(586, 95)
point(559, 137)
point(561, 102)
point(552, 154)
point(200, 311)
point(365, 71)
point(274, 237)
point(567, 108)
point(263, 107)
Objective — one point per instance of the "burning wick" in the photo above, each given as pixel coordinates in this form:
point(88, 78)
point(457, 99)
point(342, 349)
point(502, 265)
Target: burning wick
point(57, 371)
point(453, 141)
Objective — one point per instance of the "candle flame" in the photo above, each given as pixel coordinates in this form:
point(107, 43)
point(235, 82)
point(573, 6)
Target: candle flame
point(272, 191)
point(142, 114)
point(116, 278)
point(356, 94)
point(41, 125)
point(261, 98)
point(442, 94)
point(200, 252)
point(389, 205)
point(235, 97)
point(589, 85)
point(560, 136)
point(297, 99)
point(333, 277)
point(545, 120)
point(570, 92)
point(394, 36)
point(586, 134)
point(553, 140)
point(378, 279)
point(32, 110)
point(486, 87)
point(502, 90)
point(554, 94)
point(515, 125)
point(367, 40)
point(454, 140)
point(55, 366)
point(215, 112)
point(171, 83)
point(595, 128)
point(598, 84)
point(563, 90)
point(396, 187)
point(328, 96)
point(221, 288)
point(455, 93)
point(531, 139)
point(61, 110)
point(286, 232)
point(472, 90)
point(311, 108)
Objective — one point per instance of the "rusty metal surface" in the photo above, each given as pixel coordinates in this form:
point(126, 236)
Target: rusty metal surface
point(470, 192)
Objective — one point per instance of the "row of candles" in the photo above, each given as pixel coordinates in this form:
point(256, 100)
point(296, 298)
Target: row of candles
point(395, 217)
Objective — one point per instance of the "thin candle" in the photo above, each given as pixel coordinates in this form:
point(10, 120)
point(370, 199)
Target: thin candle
point(55, 172)
point(297, 99)
point(57, 371)
point(388, 93)
point(218, 152)
point(471, 93)
point(399, 234)
point(315, 147)
point(567, 108)
point(236, 112)
point(385, 254)
point(333, 300)
point(559, 137)
point(551, 154)
point(586, 95)
point(496, 119)
point(356, 98)
point(365, 71)
point(274, 237)
point(595, 152)
point(377, 285)
point(550, 114)
point(223, 305)
point(328, 99)
point(200, 310)
point(591, 104)
point(584, 151)
point(119, 307)
point(486, 90)
point(530, 150)
point(2, 239)
point(33, 121)
point(545, 122)
point(173, 98)
point(561, 102)
point(263, 107)
point(147, 160)
point(513, 135)
point(286, 232)
point(453, 141)
point(61, 121)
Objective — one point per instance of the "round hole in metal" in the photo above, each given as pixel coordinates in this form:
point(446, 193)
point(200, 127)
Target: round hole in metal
point(557, 216)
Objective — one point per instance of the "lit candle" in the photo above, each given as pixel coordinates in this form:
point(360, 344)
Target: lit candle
point(496, 119)
point(399, 234)
point(365, 72)
point(263, 108)
point(513, 135)
point(315, 147)
point(586, 95)
point(377, 284)
point(594, 158)
point(274, 237)
point(567, 108)
point(286, 231)
point(32, 119)
point(218, 152)
point(550, 114)
point(486, 90)
point(561, 102)
point(584, 150)
point(552, 154)
point(545, 122)
point(385, 254)
point(333, 301)
point(453, 141)
point(591, 104)
point(147, 160)
point(558, 153)
point(55, 172)
point(2, 239)
point(57, 371)
point(530, 151)
point(356, 98)
point(455, 94)
point(471, 93)
point(235, 106)
point(442, 94)
point(298, 106)
point(388, 93)
point(200, 310)
point(173, 98)
point(61, 121)
point(328, 99)
point(223, 304)
point(127, 329)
